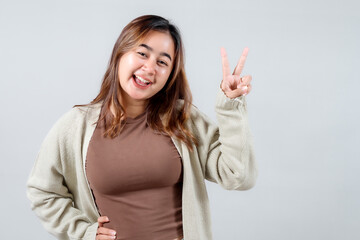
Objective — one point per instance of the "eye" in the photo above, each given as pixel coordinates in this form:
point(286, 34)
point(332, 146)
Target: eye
point(142, 54)
point(163, 63)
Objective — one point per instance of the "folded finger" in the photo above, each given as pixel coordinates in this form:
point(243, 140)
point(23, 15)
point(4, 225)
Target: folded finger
point(246, 80)
point(104, 237)
point(235, 93)
point(106, 231)
point(103, 219)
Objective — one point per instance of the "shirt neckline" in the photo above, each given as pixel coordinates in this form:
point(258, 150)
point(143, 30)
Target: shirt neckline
point(136, 119)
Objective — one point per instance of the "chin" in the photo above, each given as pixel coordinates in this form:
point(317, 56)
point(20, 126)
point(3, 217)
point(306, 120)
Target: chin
point(138, 96)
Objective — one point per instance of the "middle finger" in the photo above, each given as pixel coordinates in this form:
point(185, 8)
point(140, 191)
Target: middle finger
point(239, 67)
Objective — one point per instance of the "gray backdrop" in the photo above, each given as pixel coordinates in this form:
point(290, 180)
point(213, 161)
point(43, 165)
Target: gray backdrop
point(303, 110)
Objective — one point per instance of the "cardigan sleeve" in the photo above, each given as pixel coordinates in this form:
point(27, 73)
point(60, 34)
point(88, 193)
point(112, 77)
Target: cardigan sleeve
point(50, 197)
point(226, 151)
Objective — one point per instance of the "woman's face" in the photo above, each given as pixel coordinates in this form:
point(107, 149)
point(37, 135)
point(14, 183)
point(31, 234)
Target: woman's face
point(143, 71)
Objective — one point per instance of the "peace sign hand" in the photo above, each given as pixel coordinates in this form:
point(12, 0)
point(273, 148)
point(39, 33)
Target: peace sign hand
point(232, 84)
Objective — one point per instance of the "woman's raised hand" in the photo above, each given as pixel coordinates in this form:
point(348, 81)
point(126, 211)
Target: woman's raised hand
point(102, 232)
point(232, 84)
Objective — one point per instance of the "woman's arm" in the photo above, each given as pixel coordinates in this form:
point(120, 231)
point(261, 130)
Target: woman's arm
point(227, 149)
point(230, 159)
point(48, 192)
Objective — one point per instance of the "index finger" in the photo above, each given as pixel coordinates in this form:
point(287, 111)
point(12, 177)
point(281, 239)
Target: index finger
point(239, 67)
point(225, 63)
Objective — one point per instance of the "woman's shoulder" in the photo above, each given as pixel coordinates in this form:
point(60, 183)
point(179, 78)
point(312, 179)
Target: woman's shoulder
point(196, 116)
point(81, 112)
point(77, 117)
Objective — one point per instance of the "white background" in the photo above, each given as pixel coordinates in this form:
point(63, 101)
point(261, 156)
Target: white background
point(304, 108)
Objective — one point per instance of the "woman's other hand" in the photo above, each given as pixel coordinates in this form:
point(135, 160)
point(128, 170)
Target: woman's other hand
point(102, 232)
point(232, 84)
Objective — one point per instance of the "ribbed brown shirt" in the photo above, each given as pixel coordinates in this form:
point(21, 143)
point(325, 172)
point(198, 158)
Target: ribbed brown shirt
point(136, 179)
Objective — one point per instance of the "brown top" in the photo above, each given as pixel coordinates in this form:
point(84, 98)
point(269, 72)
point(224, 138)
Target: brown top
point(136, 179)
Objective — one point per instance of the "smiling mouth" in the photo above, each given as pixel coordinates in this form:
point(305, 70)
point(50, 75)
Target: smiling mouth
point(141, 81)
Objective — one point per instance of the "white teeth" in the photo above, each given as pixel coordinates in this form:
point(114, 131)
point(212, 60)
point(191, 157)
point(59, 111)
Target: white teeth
point(142, 80)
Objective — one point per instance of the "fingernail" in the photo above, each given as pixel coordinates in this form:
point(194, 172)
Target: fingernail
point(113, 237)
point(244, 88)
point(113, 233)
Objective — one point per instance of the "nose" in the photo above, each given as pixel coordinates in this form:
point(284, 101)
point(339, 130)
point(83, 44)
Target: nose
point(150, 66)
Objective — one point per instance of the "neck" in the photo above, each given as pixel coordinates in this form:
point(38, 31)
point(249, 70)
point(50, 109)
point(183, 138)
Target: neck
point(132, 111)
point(132, 107)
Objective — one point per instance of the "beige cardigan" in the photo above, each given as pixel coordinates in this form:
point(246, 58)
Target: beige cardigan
point(61, 197)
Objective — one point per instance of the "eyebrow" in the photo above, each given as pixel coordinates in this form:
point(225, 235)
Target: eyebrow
point(150, 49)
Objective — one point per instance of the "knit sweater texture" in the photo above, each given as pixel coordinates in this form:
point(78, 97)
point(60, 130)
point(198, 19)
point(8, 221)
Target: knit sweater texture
point(61, 197)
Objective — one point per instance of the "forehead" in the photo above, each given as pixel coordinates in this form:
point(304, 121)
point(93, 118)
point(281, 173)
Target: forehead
point(160, 42)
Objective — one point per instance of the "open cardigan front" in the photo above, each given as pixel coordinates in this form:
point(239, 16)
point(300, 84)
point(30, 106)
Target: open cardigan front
point(60, 194)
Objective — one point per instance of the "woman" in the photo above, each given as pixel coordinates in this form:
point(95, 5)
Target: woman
point(132, 163)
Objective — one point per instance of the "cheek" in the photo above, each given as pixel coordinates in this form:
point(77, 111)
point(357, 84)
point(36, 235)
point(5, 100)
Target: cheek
point(164, 73)
point(164, 76)
point(127, 64)
point(131, 61)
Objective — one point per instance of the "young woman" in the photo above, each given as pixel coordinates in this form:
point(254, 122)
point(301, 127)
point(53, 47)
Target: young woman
point(131, 164)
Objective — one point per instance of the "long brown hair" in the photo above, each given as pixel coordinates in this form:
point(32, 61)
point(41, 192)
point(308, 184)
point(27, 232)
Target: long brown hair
point(164, 114)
